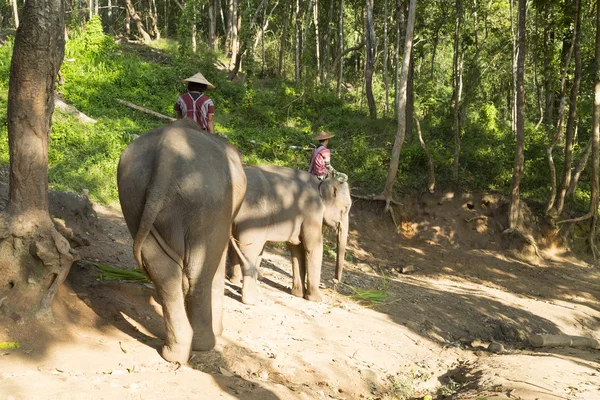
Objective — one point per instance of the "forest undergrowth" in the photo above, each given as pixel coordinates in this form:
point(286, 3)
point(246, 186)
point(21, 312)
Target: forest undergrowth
point(269, 119)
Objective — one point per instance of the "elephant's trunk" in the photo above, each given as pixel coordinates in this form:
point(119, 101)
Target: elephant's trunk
point(342, 239)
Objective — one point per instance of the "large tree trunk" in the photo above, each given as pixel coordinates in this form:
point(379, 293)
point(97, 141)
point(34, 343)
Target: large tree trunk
point(401, 106)
point(595, 141)
point(572, 119)
point(235, 28)
point(34, 258)
point(138, 21)
point(154, 19)
point(229, 27)
point(370, 58)
point(514, 219)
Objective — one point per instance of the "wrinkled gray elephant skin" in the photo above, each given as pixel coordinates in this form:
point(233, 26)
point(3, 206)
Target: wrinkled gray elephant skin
point(180, 189)
point(288, 205)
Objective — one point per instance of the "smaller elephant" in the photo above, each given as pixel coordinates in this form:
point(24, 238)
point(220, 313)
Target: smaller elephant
point(288, 205)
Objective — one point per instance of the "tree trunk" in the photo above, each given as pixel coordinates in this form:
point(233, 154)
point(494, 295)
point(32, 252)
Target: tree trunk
point(457, 89)
point(15, 13)
point(430, 163)
point(280, 70)
point(317, 44)
point(154, 20)
point(127, 24)
point(595, 141)
point(229, 27)
point(193, 29)
point(329, 40)
point(212, 24)
point(297, 43)
point(515, 206)
point(568, 50)
point(338, 89)
point(401, 106)
point(385, 59)
point(34, 258)
point(246, 39)
point(585, 155)
point(235, 27)
point(138, 21)
point(548, 82)
point(369, 58)
point(572, 119)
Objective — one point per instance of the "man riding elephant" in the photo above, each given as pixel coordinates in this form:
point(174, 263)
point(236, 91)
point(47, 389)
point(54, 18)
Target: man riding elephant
point(287, 205)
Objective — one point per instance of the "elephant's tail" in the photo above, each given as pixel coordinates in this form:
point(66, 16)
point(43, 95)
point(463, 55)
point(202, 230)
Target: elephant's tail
point(156, 195)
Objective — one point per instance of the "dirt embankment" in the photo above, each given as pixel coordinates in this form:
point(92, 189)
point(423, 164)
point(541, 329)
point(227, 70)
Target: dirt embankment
point(429, 335)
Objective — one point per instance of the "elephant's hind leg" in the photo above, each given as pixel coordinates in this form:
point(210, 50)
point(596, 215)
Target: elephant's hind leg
point(168, 279)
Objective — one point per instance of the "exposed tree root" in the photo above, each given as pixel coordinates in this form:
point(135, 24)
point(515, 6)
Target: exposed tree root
point(388, 203)
point(527, 238)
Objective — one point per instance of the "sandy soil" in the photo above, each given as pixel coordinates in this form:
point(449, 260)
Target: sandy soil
point(428, 337)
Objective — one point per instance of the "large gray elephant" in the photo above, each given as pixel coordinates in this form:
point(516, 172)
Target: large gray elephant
point(288, 205)
point(180, 189)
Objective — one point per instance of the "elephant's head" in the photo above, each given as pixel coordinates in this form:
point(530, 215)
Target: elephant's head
point(337, 201)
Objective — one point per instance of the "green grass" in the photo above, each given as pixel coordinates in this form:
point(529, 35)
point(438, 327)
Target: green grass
point(109, 273)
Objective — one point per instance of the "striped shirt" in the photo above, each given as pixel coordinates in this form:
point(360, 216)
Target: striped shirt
point(319, 163)
point(196, 106)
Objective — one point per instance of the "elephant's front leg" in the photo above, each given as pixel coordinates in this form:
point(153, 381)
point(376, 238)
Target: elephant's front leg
point(313, 249)
point(298, 269)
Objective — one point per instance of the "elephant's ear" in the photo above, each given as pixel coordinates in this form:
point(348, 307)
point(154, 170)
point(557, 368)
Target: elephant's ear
point(328, 190)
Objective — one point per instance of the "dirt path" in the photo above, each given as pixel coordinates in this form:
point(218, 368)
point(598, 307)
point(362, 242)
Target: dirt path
point(428, 337)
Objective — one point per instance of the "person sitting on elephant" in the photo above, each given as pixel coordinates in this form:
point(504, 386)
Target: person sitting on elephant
point(320, 162)
point(196, 105)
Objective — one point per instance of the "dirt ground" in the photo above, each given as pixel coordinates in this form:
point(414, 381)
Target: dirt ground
point(448, 291)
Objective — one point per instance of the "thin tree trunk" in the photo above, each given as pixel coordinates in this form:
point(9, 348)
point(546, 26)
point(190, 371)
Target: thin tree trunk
point(585, 155)
point(138, 21)
point(514, 69)
point(317, 44)
point(154, 19)
point(385, 59)
point(280, 70)
point(402, 86)
point(235, 25)
point(212, 24)
point(548, 86)
point(560, 123)
point(328, 41)
point(430, 163)
point(514, 219)
point(246, 39)
point(304, 34)
point(457, 89)
point(15, 13)
point(194, 29)
point(297, 44)
point(369, 58)
point(127, 23)
point(341, 50)
point(229, 27)
point(572, 119)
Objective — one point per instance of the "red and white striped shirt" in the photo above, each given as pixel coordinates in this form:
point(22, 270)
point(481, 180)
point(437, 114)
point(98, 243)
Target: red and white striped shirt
point(196, 106)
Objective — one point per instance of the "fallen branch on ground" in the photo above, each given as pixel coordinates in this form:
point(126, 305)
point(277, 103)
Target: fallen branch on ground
point(147, 111)
point(69, 109)
point(564, 341)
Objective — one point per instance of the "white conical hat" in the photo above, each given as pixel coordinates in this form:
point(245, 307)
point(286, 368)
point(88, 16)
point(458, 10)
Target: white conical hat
point(199, 78)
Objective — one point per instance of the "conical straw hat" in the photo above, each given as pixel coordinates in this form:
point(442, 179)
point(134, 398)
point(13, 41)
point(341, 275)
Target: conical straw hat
point(199, 78)
point(323, 135)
